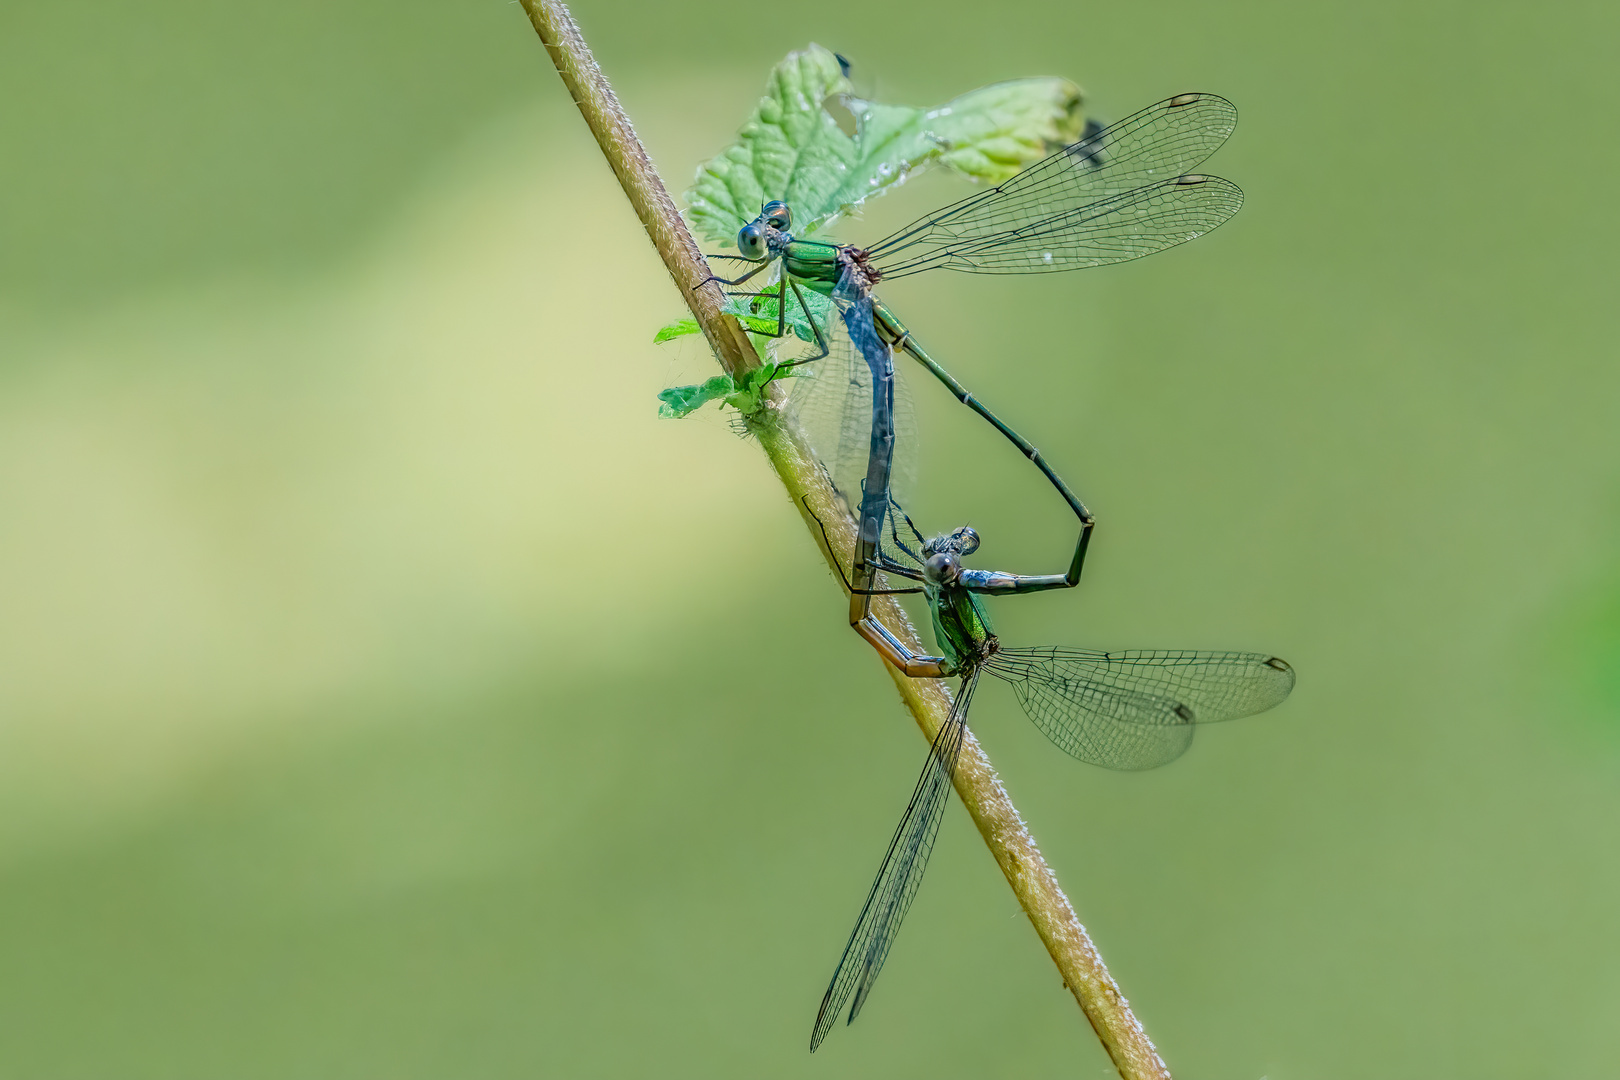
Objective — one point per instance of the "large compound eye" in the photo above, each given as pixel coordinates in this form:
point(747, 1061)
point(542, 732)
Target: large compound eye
point(940, 567)
point(751, 241)
point(778, 215)
point(967, 541)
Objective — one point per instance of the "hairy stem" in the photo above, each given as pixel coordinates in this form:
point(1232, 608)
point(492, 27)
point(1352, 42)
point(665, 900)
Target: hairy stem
point(998, 821)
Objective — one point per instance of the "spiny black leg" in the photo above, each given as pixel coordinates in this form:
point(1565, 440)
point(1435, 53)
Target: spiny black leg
point(821, 342)
point(730, 281)
point(780, 312)
point(887, 565)
point(781, 306)
point(839, 566)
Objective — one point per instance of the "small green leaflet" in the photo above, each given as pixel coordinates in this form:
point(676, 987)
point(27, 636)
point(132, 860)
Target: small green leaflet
point(743, 395)
point(793, 149)
point(758, 316)
point(678, 328)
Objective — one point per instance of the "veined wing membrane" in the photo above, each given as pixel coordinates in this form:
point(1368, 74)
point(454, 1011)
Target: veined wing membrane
point(899, 876)
point(1067, 236)
point(1136, 709)
point(1160, 143)
point(832, 399)
point(1166, 139)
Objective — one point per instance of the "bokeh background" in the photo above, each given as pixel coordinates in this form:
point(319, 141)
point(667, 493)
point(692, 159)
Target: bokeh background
point(386, 692)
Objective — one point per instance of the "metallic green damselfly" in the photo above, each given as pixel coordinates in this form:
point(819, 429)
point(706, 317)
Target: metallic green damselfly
point(1120, 193)
point(1123, 710)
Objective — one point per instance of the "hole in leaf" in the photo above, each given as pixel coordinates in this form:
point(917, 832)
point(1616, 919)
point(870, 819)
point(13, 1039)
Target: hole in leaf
point(840, 113)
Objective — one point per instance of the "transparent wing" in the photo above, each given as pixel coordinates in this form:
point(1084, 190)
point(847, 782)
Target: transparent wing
point(1121, 193)
point(1136, 710)
point(899, 876)
point(1116, 229)
point(832, 399)
point(901, 546)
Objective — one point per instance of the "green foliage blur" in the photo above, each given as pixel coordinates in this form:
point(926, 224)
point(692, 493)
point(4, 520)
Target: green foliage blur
point(385, 691)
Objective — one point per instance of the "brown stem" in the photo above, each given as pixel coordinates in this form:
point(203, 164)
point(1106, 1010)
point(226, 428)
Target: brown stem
point(981, 792)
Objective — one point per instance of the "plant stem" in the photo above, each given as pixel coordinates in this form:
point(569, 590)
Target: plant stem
point(998, 821)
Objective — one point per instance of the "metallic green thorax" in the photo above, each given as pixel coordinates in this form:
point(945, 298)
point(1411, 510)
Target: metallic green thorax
point(813, 263)
point(961, 625)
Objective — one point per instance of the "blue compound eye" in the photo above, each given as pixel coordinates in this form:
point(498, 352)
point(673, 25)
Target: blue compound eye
point(777, 215)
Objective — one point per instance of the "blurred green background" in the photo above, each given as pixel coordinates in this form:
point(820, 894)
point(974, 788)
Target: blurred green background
point(386, 692)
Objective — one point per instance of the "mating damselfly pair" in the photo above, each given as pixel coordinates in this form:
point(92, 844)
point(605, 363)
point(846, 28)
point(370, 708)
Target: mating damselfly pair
point(1121, 192)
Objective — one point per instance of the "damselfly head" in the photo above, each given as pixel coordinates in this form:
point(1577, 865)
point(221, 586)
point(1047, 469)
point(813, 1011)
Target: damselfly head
point(963, 541)
point(942, 556)
point(751, 241)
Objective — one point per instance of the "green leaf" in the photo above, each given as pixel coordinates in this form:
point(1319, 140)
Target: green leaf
point(745, 396)
point(988, 134)
point(789, 127)
point(678, 401)
point(758, 313)
point(678, 328)
point(758, 316)
point(793, 149)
